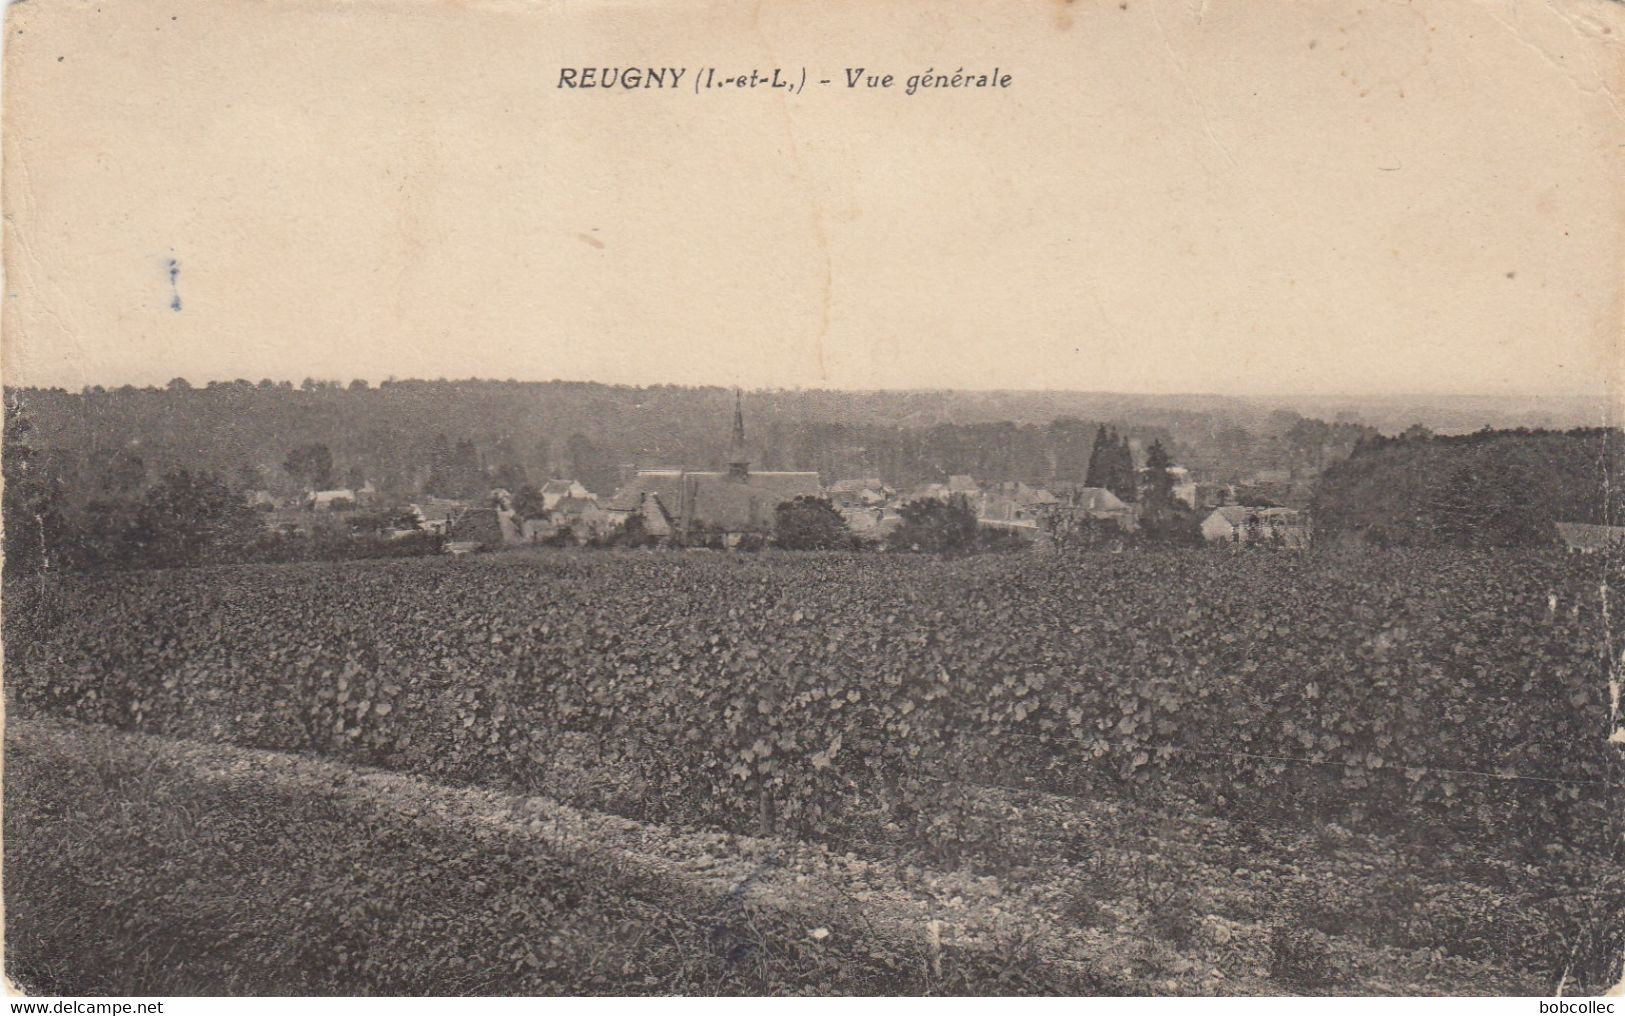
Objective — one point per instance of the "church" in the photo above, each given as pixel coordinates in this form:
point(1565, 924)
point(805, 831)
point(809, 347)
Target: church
point(708, 508)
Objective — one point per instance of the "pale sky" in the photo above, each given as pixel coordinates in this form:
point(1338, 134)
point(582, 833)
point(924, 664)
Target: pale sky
point(1224, 196)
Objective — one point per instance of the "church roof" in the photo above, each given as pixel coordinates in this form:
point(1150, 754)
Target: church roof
point(739, 500)
point(716, 499)
point(667, 484)
point(722, 502)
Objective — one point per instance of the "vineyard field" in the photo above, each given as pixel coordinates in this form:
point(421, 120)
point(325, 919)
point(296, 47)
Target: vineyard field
point(1454, 706)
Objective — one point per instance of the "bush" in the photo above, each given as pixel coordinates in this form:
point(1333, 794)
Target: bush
point(332, 544)
point(634, 533)
point(936, 526)
point(1492, 488)
point(1175, 526)
point(809, 523)
point(1000, 541)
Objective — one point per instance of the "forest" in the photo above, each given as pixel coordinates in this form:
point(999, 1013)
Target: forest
point(1490, 488)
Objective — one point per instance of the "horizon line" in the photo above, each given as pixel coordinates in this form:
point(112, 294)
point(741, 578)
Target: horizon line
point(1251, 396)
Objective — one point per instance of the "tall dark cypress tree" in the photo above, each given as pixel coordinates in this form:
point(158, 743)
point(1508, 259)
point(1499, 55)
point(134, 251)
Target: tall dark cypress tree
point(1120, 477)
point(1159, 485)
point(1100, 461)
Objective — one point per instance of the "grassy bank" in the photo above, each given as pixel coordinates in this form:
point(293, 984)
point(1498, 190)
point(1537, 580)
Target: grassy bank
point(138, 864)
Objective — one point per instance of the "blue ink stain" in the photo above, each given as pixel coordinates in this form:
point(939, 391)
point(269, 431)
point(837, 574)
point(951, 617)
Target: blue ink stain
point(174, 274)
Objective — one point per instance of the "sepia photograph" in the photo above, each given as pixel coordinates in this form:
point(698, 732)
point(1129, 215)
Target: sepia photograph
point(1115, 498)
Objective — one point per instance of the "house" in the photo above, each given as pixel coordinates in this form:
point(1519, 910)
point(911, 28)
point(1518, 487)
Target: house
point(1586, 538)
point(580, 517)
point(287, 522)
point(1100, 503)
point(656, 521)
point(1213, 495)
point(958, 485)
point(513, 527)
point(330, 500)
point(481, 527)
point(436, 514)
point(555, 490)
point(871, 524)
point(1005, 508)
point(1078, 507)
point(1036, 498)
point(261, 500)
point(865, 492)
point(998, 507)
point(1291, 493)
point(1227, 523)
point(930, 492)
point(634, 497)
point(663, 485)
point(1182, 485)
point(577, 519)
point(1098, 499)
point(1015, 499)
point(631, 500)
point(715, 508)
point(1238, 524)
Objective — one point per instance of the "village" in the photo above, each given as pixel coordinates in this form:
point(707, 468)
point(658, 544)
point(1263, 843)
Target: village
point(737, 507)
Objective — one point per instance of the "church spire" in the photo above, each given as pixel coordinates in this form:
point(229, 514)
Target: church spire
point(738, 458)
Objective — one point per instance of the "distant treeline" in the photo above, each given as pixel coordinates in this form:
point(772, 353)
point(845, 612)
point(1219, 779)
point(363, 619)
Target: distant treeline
point(451, 437)
point(113, 464)
point(1491, 488)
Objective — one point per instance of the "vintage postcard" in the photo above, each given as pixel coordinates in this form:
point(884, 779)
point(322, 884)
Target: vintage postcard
point(1012, 497)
